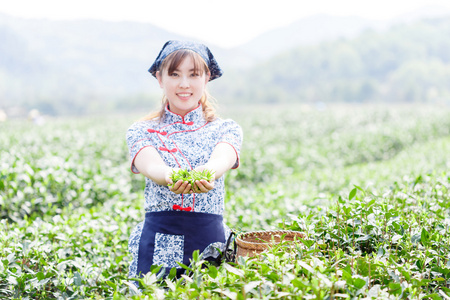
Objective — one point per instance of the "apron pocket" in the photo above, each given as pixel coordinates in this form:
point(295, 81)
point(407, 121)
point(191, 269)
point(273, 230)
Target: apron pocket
point(169, 249)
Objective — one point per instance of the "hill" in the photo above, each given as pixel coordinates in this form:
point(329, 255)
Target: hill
point(406, 63)
point(77, 67)
point(75, 62)
point(308, 31)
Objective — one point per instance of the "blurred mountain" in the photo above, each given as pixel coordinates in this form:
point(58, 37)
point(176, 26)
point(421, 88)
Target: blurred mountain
point(85, 66)
point(70, 60)
point(308, 31)
point(405, 63)
point(80, 66)
point(322, 27)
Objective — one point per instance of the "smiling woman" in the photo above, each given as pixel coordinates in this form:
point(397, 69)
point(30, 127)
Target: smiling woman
point(184, 80)
point(183, 216)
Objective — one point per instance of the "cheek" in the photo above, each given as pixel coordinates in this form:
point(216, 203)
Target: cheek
point(201, 85)
point(168, 86)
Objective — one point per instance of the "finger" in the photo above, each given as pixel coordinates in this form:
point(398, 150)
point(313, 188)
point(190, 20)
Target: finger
point(208, 185)
point(203, 186)
point(187, 188)
point(197, 187)
point(179, 186)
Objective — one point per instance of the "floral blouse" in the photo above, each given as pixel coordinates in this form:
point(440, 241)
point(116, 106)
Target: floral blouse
point(183, 142)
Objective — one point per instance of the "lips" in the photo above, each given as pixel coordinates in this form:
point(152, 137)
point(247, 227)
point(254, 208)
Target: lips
point(184, 96)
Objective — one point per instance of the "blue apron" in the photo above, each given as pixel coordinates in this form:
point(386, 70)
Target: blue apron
point(171, 236)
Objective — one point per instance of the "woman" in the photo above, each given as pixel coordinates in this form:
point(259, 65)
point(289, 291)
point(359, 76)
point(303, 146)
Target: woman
point(184, 134)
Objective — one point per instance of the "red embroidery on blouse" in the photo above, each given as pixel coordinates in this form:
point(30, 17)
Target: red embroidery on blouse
point(158, 132)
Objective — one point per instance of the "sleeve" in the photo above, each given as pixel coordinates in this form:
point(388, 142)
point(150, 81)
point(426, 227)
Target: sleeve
point(232, 134)
point(137, 139)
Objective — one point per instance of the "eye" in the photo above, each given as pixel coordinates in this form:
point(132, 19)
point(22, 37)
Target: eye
point(195, 74)
point(173, 74)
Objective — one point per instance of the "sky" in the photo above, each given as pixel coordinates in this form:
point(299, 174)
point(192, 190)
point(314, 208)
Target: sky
point(226, 23)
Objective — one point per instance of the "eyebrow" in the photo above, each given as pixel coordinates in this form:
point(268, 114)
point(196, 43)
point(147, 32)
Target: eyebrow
point(191, 70)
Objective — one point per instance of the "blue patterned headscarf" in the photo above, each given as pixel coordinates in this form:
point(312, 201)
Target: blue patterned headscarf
point(202, 50)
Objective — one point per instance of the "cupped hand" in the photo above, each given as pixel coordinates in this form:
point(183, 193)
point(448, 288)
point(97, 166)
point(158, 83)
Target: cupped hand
point(185, 187)
point(180, 187)
point(203, 186)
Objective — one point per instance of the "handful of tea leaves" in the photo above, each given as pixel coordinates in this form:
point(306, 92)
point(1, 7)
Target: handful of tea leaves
point(191, 176)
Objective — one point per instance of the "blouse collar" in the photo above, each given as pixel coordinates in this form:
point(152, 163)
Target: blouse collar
point(193, 116)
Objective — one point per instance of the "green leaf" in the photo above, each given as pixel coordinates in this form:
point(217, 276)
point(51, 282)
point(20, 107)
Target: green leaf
point(359, 282)
point(352, 194)
point(347, 277)
point(251, 285)
point(305, 266)
point(233, 270)
point(111, 284)
point(370, 203)
point(405, 274)
point(194, 294)
point(119, 258)
point(424, 237)
point(40, 275)
point(117, 296)
point(172, 273)
point(195, 255)
point(155, 269)
point(395, 288)
point(308, 243)
point(433, 296)
point(359, 188)
point(212, 271)
point(184, 266)
point(273, 276)
point(299, 284)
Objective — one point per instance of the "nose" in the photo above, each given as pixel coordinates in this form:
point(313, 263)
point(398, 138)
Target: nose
point(184, 82)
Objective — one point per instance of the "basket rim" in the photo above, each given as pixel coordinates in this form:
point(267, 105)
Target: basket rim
point(246, 244)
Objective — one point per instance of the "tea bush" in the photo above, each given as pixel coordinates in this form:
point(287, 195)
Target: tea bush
point(368, 185)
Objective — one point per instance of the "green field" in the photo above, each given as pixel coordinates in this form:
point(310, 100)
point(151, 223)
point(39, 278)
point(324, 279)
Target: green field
point(369, 185)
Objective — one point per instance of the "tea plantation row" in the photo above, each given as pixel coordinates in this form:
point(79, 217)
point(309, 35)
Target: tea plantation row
point(368, 185)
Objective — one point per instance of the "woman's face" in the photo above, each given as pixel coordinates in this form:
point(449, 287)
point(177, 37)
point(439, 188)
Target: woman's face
point(183, 87)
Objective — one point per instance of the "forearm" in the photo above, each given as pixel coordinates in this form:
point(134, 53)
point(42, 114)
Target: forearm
point(151, 165)
point(222, 159)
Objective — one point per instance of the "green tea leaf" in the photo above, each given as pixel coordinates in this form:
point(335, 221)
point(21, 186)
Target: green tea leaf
point(172, 273)
point(424, 236)
point(233, 270)
point(212, 271)
point(395, 288)
point(40, 275)
point(359, 282)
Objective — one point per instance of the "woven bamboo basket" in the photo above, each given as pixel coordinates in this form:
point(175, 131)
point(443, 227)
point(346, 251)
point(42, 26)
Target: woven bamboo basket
point(254, 242)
